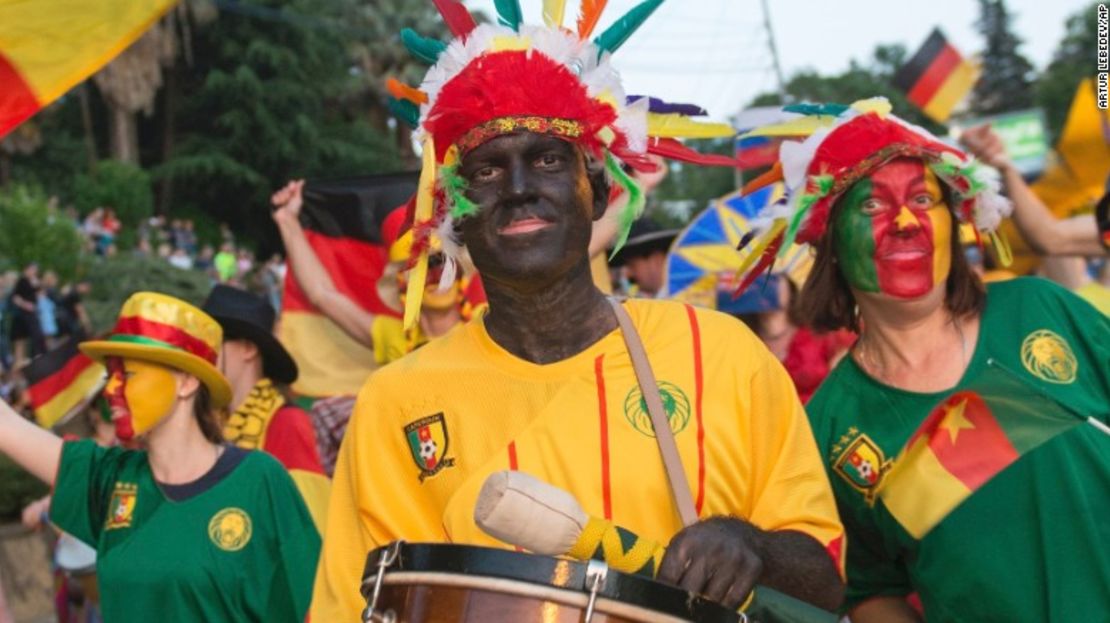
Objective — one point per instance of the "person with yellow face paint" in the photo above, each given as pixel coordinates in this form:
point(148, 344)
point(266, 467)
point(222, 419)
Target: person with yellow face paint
point(966, 434)
point(186, 527)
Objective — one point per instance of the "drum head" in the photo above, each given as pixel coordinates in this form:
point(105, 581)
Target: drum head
point(73, 555)
point(472, 561)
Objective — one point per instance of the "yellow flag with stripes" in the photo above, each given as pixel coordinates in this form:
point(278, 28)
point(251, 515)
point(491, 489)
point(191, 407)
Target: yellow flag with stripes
point(49, 46)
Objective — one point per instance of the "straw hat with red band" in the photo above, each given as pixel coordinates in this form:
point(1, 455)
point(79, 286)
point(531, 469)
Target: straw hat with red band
point(168, 331)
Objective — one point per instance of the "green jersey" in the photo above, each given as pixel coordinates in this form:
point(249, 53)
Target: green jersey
point(1024, 540)
point(238, 545)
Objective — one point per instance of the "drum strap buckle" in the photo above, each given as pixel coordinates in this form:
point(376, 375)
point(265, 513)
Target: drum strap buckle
point(596, 574)
point(385, 561)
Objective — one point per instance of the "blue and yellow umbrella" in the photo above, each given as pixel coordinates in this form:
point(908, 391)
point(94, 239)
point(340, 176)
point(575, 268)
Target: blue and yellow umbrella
point(702, 263)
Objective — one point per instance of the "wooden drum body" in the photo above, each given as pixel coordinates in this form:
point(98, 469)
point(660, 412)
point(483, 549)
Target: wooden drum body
point(440, 583)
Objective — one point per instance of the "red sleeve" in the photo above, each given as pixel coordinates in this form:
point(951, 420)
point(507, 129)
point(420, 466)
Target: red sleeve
point(291, 440)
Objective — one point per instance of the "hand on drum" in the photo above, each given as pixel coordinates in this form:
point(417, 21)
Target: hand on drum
point(717, 558)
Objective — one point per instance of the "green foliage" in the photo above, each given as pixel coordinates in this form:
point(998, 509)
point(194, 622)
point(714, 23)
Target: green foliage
point(17, 489)
point(1071, 63)
point(33, 231)
point(118, 185)
point(267, 102)
point(860, 81)
point(115, 279)
point(1007, 80)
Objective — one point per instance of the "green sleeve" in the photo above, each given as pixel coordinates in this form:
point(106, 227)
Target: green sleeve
point(298, 550)
point(85, 477)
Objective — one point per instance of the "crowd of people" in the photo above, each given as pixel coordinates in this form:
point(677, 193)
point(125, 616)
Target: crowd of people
point(949, 462)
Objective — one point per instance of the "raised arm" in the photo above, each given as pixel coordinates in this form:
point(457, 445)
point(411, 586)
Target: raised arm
point(1044, 232)
point(310, 274)
point(35, 449)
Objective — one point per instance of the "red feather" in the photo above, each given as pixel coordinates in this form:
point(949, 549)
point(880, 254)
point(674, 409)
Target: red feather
point(457, 18)
point(588, 17)
point(670, 148)
point(762, 265)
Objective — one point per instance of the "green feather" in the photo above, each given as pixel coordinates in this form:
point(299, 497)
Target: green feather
point(832, 110)
point(508, 13)
point(631, 210)
point(404, 110)
point(615, 35)
point(455, 187)
point(423, 48)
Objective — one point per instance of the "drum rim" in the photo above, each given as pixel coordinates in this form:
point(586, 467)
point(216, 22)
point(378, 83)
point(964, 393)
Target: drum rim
point(474, 560)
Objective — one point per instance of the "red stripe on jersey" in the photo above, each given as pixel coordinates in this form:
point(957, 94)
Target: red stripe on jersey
point(835, 549)
point(698, 385)
point(599, 372)
point(514, 466)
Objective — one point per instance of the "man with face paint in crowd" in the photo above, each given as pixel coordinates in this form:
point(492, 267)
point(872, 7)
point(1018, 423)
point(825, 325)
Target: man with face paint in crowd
point(524, 130)
point(965, 435)
point(186, 527)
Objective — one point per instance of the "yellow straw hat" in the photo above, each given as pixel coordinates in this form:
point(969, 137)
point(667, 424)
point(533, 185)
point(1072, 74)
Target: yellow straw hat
point(168, 331)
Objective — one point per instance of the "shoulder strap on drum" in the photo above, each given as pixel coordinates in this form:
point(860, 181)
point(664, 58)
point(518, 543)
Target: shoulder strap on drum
point(672, 463)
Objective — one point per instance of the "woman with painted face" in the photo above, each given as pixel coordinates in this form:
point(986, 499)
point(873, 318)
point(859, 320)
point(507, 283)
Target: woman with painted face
point(186, 527)
point(966, 433)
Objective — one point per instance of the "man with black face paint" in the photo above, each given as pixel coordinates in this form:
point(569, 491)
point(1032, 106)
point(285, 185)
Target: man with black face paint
point(523, 129)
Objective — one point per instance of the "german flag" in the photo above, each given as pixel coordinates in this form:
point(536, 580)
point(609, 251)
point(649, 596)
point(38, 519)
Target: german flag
point(969, 438)
point(48, 46)
point(343, 221)
point(754, 152)
point(61, 382)
point(937, 77)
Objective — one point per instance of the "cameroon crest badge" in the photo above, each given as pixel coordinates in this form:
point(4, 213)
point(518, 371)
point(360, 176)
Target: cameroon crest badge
point(862, 465)
point(427, 439)
point(121, 508)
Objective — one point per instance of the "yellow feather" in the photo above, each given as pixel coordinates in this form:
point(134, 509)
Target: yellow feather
point(802, 126)
point(672, 125)
point(553, 11)
point(425, 198)
point(777, 226)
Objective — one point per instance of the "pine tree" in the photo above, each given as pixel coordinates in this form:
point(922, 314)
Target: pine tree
point(1006, 83)
point(1073, 61)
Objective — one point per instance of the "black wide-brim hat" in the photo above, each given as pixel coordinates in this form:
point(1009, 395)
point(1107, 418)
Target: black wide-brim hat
point(645, 238)
point(244, 316)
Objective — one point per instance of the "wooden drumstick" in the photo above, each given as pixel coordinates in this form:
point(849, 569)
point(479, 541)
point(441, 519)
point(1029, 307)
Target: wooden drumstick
point(520, 510)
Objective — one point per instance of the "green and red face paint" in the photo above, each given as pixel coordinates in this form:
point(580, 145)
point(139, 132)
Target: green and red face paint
point(893, 231)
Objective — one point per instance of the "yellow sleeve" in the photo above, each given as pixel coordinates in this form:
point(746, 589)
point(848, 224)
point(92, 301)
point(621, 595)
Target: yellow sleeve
point(375, 499)
point(790, 488)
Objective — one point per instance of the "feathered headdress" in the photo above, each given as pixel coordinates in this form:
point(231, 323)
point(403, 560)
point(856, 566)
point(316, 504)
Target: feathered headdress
point(494, 79)
point(831, 147)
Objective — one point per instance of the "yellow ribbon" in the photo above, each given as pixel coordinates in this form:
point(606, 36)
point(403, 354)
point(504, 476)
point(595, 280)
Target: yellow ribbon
point(425, 199)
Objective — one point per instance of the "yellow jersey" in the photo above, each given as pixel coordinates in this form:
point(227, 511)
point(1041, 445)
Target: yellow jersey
point(429, 428)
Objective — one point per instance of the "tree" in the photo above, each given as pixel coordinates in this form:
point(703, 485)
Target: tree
point(859, 81)
point(114, 279)
point(118, 185)
point(33, 231)
point(1007, 80)
point(130, 82)
point(265, 104)
point(1071, 64)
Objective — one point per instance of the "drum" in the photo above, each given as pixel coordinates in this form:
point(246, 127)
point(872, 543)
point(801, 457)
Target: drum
point(78, 562)
point(442, 583)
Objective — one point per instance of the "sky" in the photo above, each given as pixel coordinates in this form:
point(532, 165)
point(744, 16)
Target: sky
point(715, 52)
